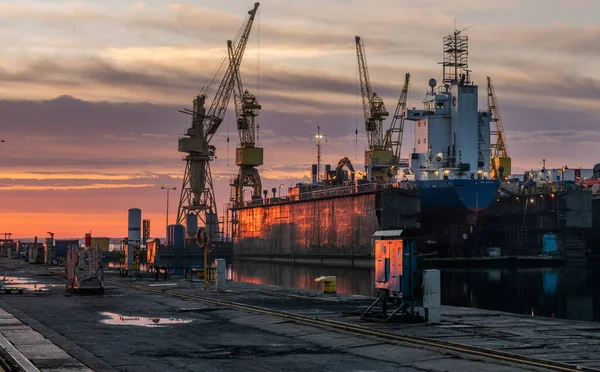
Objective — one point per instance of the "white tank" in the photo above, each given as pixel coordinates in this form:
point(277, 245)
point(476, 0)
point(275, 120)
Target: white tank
point(134, 225)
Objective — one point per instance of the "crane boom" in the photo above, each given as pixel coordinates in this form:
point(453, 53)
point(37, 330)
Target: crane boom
point(373, 107)
point(216, 112)
point(500, 149)
point(397, 127)
point(246, 105)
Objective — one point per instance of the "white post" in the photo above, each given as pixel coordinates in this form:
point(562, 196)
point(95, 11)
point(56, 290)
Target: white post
point(221, 275)
point(82, 255)
point(432, 295)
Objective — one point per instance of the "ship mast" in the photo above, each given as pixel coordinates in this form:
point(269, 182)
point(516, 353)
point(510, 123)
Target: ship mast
point(456, 53)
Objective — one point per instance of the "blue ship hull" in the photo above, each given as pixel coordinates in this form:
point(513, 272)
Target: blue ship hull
point(450, 210)
point(472, 195)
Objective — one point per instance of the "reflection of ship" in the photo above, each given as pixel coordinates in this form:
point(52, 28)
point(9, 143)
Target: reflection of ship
point(448, 172)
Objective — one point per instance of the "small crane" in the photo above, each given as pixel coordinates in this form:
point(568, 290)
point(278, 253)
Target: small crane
point(379, 158)
point(500, 162)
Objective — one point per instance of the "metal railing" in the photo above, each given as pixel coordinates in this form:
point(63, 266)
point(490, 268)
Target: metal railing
point(322, 193)
point(325, 192)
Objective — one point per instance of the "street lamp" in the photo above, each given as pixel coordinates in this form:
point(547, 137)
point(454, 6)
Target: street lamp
point(168, 189)
point(280, 186)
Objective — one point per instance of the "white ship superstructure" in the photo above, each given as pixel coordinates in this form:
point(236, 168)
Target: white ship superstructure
point(451, 136)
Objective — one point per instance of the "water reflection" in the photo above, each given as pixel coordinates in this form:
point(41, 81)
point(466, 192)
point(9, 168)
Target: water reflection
point(349, 280)
point(12, 282)
point(118, 319)
point(569, 292)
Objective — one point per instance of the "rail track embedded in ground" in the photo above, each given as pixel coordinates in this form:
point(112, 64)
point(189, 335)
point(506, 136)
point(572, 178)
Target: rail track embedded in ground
point(327, 323)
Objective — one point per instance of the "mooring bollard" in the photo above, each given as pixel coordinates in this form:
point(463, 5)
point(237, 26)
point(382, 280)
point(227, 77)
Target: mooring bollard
point(329, 283)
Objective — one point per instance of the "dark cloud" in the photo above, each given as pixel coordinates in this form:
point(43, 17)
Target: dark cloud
point(68, 117)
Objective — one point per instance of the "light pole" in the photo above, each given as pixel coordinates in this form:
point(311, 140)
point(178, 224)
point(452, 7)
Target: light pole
point(168, 189)
point(280, 186)
point(318, 137)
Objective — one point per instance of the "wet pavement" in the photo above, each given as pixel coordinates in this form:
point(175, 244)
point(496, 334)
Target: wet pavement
point(123, 320)
point(209, 338)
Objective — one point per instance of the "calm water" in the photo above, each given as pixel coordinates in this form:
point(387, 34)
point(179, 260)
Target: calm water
point(572, 293)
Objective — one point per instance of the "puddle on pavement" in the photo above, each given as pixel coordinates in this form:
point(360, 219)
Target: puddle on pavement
point(117, 319)
point(13, 282)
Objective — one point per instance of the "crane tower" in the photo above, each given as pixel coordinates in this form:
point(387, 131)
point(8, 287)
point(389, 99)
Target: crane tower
point(379, 158)
point(247, 155)
point(197, 194)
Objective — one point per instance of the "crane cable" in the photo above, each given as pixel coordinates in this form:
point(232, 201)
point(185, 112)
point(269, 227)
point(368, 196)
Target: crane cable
point(228, 121)
point(356, 113)
point(257, 70)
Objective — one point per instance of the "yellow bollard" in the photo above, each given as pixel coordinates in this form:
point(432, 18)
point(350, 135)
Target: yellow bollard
point(329, 283)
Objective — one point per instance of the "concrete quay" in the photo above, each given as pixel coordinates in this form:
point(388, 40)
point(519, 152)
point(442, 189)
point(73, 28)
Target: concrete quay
point(128, 329)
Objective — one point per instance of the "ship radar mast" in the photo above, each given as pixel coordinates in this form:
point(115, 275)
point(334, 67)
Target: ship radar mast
point(456, 55)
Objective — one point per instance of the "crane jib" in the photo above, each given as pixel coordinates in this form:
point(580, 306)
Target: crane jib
point(221, 101)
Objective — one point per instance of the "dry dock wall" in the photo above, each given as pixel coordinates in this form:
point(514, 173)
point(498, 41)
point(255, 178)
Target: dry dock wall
point(341, 225)
point(517, 223)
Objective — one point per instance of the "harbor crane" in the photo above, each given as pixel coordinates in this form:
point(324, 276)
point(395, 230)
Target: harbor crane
point(247, 155)
point(394, 135)
point(500, 162)
point(197, 194)
point(379, 158)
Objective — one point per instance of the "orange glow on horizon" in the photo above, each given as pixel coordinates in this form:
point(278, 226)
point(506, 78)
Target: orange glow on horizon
point(78, 187)
point(76, 225)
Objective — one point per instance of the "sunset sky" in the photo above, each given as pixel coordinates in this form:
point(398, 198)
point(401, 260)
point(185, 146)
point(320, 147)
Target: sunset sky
point(90, 92)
